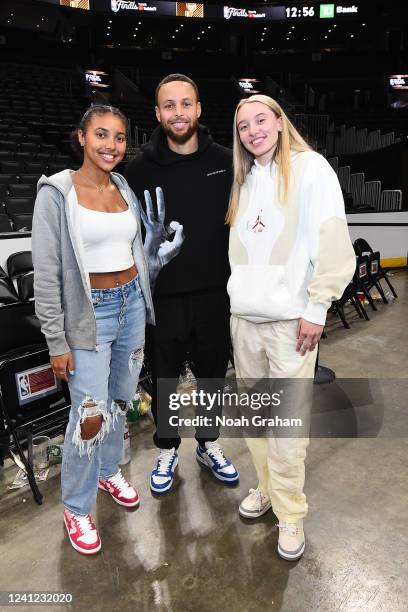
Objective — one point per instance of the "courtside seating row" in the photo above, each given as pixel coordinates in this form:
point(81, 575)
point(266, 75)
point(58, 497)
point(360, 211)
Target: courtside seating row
point(368, 276)
point(23, 349)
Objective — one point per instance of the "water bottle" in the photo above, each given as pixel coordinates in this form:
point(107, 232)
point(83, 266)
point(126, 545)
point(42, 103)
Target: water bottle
point(126, 446)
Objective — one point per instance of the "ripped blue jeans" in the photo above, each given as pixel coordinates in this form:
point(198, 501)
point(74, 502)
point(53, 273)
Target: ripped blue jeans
point(104, 383)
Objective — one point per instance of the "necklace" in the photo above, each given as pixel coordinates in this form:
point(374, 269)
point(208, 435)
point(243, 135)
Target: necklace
point(100, 188)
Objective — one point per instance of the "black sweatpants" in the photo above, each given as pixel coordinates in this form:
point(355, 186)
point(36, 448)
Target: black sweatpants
point(194, 323)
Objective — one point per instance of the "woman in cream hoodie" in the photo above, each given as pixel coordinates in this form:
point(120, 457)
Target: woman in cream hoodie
point(290, 256)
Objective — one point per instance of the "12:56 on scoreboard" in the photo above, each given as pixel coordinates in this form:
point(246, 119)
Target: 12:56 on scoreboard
point(292, 12)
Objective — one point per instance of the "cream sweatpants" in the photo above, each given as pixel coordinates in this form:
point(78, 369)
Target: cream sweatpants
point(268, 350)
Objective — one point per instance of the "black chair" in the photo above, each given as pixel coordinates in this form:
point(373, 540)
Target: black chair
point(12, 167)
point(51, 149)
point(29, 147)
point(6, 179)
point(17, 206)
point(16, 136)
point(21, 129)
point(21, 191)
point(6, 156)
point(25, 286)
point(24, 156)
point(3, 193)
point(349, 296)
point(29, 179)
point(55, 167)
point(8, 294)
point(5, 225)
point(361, 247)
point(32, 401)
point(8, 145)
point(19, 263)
point(63, 159)
point(45, 158)
point(22, 223)
point(2, 273)
point(361, 279)
point(36, 138)
point(35, 167)
point(376, 271)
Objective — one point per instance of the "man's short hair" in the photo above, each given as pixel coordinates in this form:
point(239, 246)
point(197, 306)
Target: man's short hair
point(176, 77)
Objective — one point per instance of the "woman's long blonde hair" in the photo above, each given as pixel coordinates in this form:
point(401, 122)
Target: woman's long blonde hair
point(288, 139)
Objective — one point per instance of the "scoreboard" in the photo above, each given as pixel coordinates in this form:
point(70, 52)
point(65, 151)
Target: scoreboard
point(195, 10)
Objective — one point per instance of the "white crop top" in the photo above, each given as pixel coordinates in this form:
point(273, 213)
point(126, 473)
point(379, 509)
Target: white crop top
point(107, 239)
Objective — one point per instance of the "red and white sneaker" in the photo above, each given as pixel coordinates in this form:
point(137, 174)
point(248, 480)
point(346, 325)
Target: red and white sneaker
point(82, 533)
point(121, 490)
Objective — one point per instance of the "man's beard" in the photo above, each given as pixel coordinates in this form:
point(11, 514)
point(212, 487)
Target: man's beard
point(181, 138)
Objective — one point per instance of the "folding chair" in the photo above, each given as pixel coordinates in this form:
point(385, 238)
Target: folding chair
point(361, 280)
point(32, 401)
point(376, 270)
point(349, 295)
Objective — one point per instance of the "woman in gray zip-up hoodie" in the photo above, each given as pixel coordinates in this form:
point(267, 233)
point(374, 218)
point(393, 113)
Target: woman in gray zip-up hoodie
point(93, 298)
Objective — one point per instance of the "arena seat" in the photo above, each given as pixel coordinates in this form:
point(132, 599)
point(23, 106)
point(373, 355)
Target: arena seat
point(372, 193)
point(3, 194)
point(8, 294)
point(35, 138)
point(16, 136)
point(25, 286)
point(21, 129)
point(391, 200)
point(6, 179)
point(55, 167)
point(12, 167)
point(5, 225)
point(29, 179)
point(51, 149)
point(24, 156)
point(29, 147)
point(16, 206)
point(21, 191)
point(22, 222)
point(6, 156)
point(8, 145)
point(19, 263)
point(46, 158)
point(35, 167)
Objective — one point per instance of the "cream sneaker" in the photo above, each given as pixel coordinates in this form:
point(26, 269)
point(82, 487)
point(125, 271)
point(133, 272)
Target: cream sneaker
point(255, 504)
point(291, 543)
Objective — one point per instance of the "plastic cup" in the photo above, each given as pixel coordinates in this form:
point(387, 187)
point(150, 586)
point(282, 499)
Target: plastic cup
point(40, 453)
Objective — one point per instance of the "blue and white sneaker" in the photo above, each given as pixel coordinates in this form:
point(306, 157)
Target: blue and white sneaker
point(213, 457)
point(161, 479)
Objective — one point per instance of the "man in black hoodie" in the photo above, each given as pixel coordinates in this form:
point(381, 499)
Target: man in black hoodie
point(191, 301)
